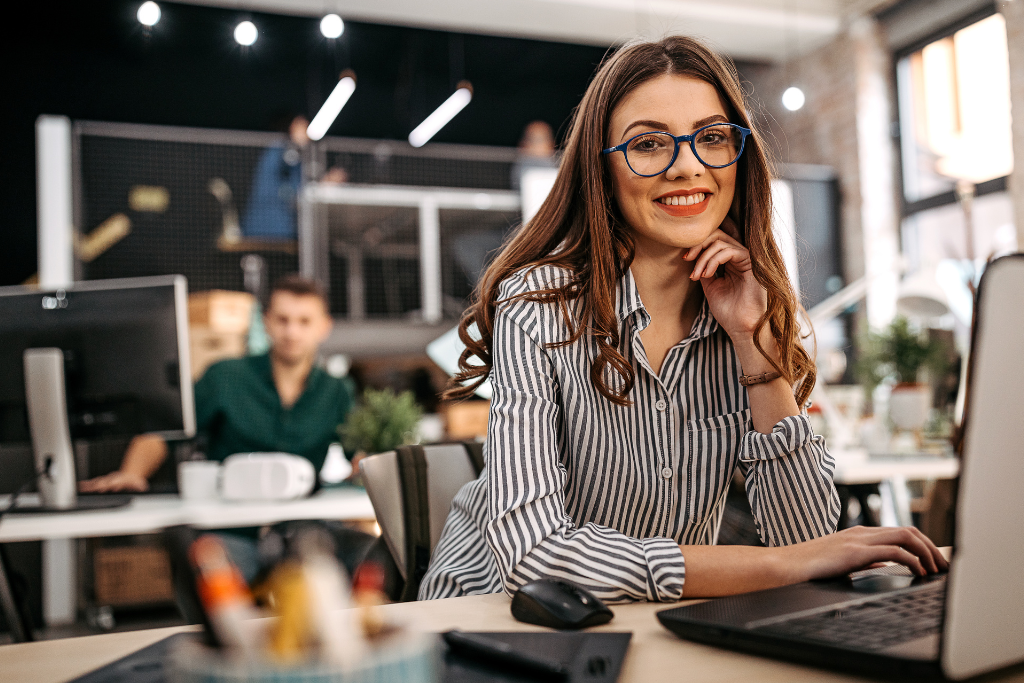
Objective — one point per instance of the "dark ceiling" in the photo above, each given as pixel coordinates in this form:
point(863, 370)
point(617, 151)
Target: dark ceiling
point(95, 61)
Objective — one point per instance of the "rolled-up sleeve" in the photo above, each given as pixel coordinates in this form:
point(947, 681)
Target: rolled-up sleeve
point(789, 482)
point(527, 526)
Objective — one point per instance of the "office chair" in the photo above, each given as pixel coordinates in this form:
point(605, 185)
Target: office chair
point(411, 489)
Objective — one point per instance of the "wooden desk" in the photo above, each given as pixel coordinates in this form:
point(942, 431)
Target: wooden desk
point(655, 654)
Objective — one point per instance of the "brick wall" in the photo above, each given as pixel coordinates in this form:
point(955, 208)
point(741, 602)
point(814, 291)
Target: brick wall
point(844, 124)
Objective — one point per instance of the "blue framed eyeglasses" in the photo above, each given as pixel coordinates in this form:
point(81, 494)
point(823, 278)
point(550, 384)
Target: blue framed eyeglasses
point(715, 146)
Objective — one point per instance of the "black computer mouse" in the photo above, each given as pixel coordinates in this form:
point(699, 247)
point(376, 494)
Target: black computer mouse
point(559, 604)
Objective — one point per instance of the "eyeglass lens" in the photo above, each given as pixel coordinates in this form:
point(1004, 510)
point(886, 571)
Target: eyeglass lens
point(651, 153)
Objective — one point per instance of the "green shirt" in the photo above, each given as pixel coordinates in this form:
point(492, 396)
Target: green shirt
point(238, 409)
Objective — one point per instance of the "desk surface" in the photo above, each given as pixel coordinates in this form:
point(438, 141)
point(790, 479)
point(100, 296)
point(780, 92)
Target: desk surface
point(149, 513)
point(874, 469)
point(654, 654)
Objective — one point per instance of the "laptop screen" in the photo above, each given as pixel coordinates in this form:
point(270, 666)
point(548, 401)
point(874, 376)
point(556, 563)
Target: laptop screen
point(985, 599)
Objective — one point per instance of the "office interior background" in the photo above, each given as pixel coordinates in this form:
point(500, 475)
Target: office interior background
point(889, 122)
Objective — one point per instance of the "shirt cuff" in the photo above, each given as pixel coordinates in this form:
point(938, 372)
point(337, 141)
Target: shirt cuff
point(666, 570)
point(787, 436)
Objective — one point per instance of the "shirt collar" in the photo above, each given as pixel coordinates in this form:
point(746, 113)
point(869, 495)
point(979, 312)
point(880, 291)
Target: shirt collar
point(266, 372)
point(628, 305)
point(628, 297)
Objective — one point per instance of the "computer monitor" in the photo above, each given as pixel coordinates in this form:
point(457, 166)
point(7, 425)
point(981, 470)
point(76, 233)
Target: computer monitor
point(96, 359)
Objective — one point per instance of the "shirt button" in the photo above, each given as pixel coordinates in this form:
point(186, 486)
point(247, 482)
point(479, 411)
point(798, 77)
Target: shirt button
point(661, 405)
point(666, 472)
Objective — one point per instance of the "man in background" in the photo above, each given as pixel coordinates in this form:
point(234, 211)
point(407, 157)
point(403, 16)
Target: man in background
point(277, 402)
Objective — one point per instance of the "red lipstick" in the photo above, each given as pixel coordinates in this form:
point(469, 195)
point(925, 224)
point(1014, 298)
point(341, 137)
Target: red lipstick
point(685, 209)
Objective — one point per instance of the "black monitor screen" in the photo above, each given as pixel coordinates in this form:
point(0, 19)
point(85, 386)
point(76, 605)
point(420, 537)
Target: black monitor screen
point(122, 356)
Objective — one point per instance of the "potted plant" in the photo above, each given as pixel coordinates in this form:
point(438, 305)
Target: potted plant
point(382, 421)
point(897, 354)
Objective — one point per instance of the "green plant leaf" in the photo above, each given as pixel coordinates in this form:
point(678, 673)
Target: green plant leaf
point(381, 422)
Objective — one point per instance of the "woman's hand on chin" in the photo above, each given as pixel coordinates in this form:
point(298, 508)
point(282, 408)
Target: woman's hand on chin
point(736, 298)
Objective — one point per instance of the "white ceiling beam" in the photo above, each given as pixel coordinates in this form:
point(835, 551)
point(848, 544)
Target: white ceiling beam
point(768, 30)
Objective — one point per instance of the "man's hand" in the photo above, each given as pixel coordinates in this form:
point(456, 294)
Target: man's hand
point(118, 480)
point(144, 455)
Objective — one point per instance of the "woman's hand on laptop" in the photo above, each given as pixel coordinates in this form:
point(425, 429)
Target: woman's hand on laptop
point(119, 480)
point(715, 571)
point(859, 547)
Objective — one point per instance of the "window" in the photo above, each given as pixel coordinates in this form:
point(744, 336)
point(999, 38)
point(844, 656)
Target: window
point(954, 99)
point(954, 103)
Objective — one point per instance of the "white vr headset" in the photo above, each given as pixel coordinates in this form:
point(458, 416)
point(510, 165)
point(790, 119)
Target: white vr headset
point(266, 476)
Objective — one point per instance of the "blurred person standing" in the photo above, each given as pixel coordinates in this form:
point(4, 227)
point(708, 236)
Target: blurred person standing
point(273, 198)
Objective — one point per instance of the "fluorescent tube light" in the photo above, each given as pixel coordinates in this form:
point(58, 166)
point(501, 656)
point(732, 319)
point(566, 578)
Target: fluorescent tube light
point(442, 115)
point(332, 107)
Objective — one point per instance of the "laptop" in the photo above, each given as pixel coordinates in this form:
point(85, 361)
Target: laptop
point(887, 622)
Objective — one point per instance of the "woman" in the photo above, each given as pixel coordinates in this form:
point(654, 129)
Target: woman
point(641, 339)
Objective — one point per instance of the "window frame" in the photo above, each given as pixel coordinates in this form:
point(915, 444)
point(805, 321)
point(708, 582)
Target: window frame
point(909, 208)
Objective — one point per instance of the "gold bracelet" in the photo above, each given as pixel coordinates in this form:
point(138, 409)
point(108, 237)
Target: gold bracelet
point(747, 380)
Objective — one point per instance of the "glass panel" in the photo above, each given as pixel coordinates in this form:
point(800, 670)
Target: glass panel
point(954, 97)
point(178, 202)
point(935, 243)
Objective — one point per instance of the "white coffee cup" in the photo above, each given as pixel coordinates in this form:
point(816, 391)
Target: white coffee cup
point(199, 480)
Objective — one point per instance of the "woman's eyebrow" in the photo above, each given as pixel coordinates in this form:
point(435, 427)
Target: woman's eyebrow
point(658, 125)
point(650, 125)
point(709, 119)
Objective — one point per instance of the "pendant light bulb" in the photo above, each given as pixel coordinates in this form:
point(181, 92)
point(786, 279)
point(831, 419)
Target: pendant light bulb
point(793, 98)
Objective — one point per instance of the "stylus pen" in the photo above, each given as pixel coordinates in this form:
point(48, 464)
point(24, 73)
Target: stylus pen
point(495, 652)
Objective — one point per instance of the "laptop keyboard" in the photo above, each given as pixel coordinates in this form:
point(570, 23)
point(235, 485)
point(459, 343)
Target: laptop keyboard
point(873, 625)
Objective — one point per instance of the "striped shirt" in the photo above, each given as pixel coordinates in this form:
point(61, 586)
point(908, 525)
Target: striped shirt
point(577, 487)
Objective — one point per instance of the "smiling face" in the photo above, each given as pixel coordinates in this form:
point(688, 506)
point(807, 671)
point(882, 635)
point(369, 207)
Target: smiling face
point(679, 208)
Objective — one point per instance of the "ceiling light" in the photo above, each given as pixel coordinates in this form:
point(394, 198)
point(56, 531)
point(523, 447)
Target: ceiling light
point(329, 111)
point(793, 98)
point(442, 115)
point(246, 33)
point(332, 26)
point(148, 14)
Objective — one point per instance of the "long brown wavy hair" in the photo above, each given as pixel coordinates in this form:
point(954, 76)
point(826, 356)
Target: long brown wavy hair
point(579, 228)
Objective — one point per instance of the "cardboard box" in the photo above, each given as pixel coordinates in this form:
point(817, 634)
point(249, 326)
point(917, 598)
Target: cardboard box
point(132, 575)
point(468, 420)
point(207, 346)
point(220, 310)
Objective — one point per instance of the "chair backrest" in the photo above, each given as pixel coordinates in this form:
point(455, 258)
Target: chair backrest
point(411, 489)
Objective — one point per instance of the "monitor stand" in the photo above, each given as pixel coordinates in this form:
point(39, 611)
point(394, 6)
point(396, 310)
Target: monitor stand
point(51, 438)
point(48, 422)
